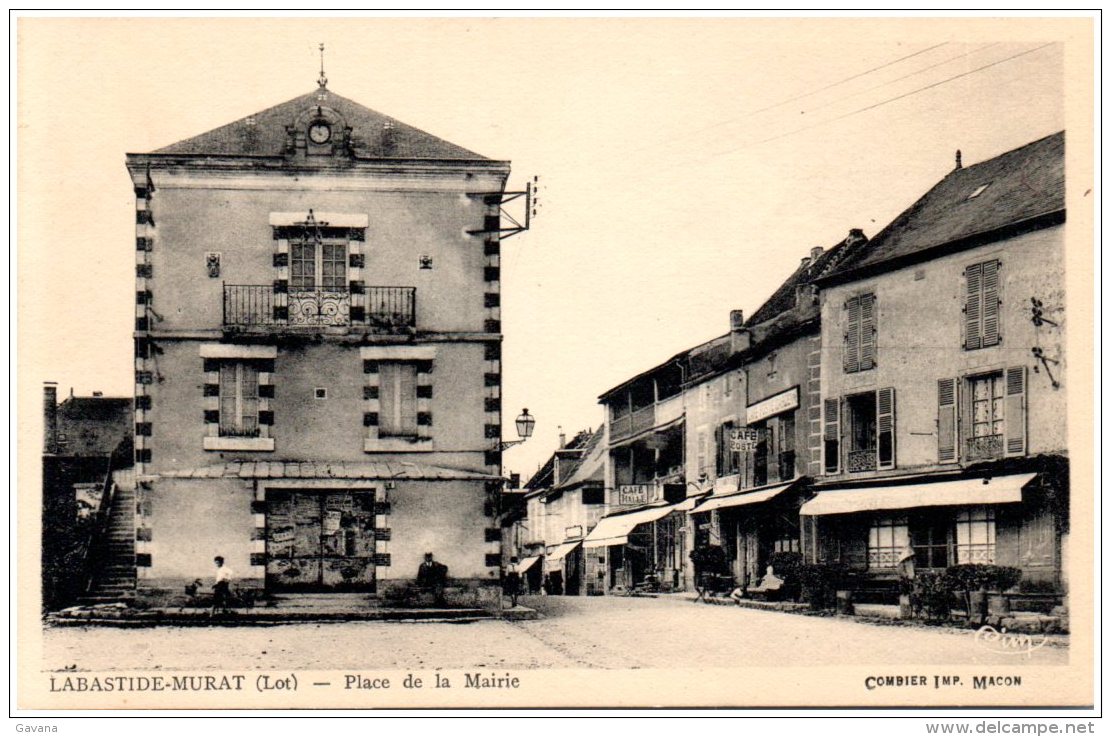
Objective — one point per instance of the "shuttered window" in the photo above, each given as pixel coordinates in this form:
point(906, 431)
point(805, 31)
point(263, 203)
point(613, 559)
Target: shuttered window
point(860, 333)
point(885, 428)
point(831, 435)
point(238, 399)
point(947, 420)
point(1014, 411)
point(981, 305)
point(397, 397)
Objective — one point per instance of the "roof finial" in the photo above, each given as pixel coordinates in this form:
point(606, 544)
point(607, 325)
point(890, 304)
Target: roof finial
point(323, 81)
point(958, 158)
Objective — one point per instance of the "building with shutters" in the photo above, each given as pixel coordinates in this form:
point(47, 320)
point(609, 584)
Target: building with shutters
point(944, 381)
point(753, 403)
point(317, 354)
point(564, 500)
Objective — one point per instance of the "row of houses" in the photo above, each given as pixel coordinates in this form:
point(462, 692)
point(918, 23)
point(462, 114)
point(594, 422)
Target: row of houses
point(904, 389)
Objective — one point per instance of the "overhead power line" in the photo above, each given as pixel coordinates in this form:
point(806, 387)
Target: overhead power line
point(887, 101)
point(846, 79)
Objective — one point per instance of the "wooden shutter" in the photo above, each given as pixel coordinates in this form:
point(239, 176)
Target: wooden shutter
point(719, 445)
point(852, 336)
point(972, 301)
point(946, 420)
point(832, 435)
point(1014, 411)
point(989, 275)
point(885, 428)
point(407, 398)
point(867, 331)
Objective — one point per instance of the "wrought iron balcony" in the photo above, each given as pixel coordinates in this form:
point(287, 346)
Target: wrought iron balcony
point(268, 306)
point(984, 448)
point(862, 460)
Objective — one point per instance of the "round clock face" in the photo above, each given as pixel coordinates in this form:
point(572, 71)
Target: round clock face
point(320, 132)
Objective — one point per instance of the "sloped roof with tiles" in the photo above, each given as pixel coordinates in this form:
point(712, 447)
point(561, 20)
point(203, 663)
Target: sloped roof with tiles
point(1023, 188)
point(373, 135)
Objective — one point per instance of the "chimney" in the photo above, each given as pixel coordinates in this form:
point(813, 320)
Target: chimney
point(739, 337)
point(805, 295)
point(959, 165)
point(562, 437)
point(856, 237)
point(805, 263)
point(815, 252)
point(50, 417)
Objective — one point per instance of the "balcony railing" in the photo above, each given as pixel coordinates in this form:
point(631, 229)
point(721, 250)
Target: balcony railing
point(984, 448)
point(862, 460)
point(633, 423)
point(378, 309)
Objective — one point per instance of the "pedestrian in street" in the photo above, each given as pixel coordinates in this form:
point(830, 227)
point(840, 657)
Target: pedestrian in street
point(221, 589)
point(511, 587)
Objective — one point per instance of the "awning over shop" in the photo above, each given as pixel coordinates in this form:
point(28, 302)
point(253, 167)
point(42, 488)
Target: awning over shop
point(614, 530)
point(740, 499)
point(527, 563)
point(992, 490)
point(562, 550)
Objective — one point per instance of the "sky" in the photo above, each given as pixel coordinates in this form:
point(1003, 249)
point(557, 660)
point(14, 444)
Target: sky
point(685, 165)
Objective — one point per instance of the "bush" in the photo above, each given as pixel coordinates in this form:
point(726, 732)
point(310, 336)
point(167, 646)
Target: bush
point(977, 577)
point(821, 582)
point(931, 594)
point(788, 566)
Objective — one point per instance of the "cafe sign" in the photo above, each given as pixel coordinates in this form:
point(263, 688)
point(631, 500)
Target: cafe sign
point(773, 405)
point(634, 493)
point(743, 439)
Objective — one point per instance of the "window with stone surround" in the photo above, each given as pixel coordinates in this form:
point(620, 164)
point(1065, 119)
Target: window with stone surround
point(397, 397)
point(239, 400)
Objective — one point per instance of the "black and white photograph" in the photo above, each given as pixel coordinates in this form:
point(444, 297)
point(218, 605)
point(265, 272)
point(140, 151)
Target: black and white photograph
point(553, 362)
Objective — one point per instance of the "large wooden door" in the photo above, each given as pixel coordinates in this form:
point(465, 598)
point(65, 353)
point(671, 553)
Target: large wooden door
point(320, 541)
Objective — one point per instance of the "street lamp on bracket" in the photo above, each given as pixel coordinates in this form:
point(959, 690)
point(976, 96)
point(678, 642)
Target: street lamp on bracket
point(525, 424)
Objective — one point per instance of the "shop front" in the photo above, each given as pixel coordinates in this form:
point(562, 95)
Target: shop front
point(644, 546)
point(750, 526)
point(1015, 520)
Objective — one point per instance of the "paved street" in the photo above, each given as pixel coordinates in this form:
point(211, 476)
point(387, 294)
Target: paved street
point(594, 632)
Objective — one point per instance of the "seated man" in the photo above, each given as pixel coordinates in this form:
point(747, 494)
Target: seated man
point(769, 585)
point(431, 577)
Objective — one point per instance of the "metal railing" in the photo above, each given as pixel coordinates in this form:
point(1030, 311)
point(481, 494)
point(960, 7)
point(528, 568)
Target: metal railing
point(862, 460)
point(382, 309)
point(984, 448)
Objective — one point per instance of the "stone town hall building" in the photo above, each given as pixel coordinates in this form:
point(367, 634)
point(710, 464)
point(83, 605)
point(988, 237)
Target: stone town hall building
point(317, 353)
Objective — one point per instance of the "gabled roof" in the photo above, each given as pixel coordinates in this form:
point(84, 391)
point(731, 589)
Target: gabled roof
point(589, 466)
point(970, 204)
point(374, 135)
point(543, 478)
point(784, 298)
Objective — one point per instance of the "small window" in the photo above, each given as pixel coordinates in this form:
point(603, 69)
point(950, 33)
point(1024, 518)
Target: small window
point(978, 191)
point(320, 393)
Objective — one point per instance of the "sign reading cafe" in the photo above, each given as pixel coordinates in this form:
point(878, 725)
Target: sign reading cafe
point(634, 493)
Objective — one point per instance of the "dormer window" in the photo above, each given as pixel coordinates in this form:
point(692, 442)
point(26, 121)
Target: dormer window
point(978, 191)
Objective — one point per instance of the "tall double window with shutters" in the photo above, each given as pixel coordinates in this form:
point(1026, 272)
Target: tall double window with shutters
point(982, 417)
point(859, 432)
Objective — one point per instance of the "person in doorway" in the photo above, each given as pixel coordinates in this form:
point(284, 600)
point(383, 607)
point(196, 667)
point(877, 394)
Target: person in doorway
point(221, 589)
point(511, 587)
